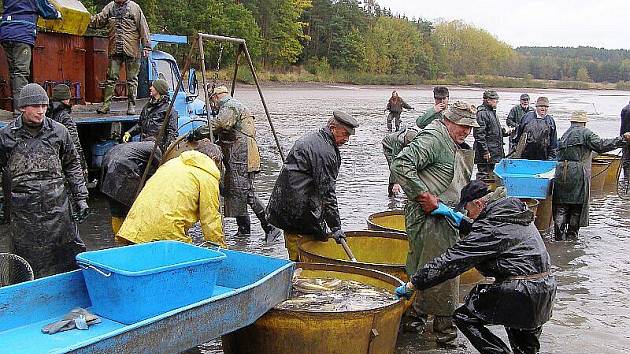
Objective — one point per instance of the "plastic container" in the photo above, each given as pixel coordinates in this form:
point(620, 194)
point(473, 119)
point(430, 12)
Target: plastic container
point(75, 18)
point(526, 178)
point(99, 150)
point(133, 283)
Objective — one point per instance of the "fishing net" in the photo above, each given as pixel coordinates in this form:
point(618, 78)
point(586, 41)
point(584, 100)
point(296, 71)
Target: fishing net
point(14, 269)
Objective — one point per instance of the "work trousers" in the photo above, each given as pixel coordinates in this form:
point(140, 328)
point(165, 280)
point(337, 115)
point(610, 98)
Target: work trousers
point(395, 116)
point(522, 341)
point(244, 222)
point(485, 171)
point(566, 221)
point(132, 66)
point(625, 162)
point(19, 61)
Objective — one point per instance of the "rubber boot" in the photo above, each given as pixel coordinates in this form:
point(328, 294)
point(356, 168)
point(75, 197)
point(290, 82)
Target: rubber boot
point(131, 107)
point(272, 233)
point(108, 94)
point(244, 226)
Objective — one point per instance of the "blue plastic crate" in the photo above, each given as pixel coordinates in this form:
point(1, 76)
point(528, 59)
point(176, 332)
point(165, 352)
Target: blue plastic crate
point(133, 283)
point(526, 178)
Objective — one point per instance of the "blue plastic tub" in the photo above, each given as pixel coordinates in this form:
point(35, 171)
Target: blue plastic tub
point(526, 178)
point(130, 284)
point(99, 150)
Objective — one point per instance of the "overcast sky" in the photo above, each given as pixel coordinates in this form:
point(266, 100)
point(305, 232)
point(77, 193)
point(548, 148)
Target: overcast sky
point(600, 23)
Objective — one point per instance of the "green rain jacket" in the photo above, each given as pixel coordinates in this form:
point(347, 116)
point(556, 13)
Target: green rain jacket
point(429, 116)
point(572, 182)
point(428, 164)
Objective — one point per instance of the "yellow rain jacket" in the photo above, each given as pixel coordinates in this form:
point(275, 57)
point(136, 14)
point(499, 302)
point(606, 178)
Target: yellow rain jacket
point(181, 192)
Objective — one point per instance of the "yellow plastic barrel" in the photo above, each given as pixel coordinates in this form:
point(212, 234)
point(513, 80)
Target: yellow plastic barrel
point(75, 18)
point(612, 175)
point(544, 214)
point(343, 332)
point(379, 250)
point(532, 204)
point(599, 174)
point(391, 220)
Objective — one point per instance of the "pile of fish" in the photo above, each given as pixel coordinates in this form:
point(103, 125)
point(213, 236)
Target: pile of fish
point(334, 295)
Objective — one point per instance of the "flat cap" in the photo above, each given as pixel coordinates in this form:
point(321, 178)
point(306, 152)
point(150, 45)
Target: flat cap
point(524, 97)
point(474, 190)
point(219, 89)
point(462, 113)
point(542, 102)
point(347, 120)
point(490, 95)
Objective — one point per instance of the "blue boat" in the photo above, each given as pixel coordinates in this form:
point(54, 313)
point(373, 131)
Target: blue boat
point(248, 285)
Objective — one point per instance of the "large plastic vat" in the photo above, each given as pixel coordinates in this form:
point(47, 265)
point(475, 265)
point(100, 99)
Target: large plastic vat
point(383, 251)
point(526, 178)
point(75, 18)
point(599, 174)
point(130, 284)
point(391, 220)
point(344, 332)
point(612, 173)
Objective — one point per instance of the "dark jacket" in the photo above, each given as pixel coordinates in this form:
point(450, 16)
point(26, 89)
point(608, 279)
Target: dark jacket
point(35, 170)
point(60, 113)
point(303, 199)
point(503, 243)
point(396, 106)
point(151, 119)
point(123, 167)
point(625, 120)
point(539, 146)
point(19, 18)
point(489, 135)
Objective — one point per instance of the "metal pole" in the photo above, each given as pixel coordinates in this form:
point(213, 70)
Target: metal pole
point(238, 57)
point(262, 99)
point(167, 118)
point(202, 55)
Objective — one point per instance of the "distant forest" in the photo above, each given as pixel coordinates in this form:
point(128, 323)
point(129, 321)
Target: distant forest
point(361, 37)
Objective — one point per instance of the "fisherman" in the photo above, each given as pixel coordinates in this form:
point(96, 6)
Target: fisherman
point(514, 117)
point(235, 130)
point(392, 144)
point(504, 244)
point(17, 36)
point(122, 169)
point(183, 191)
point(303, 202)
point(59, 110)
point(434, 167)
point(395, 106)
point(488, 137)
point(625, 157)
point(153, 115)
point(572, 183)
point(440, 98)
point(37, 158)
point(128, 42)
point(538, 133)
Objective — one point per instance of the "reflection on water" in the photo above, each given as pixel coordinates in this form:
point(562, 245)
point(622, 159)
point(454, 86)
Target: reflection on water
point(592, 312)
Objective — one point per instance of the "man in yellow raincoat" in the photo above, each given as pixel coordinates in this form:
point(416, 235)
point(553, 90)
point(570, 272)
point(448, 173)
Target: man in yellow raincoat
point(183, 191)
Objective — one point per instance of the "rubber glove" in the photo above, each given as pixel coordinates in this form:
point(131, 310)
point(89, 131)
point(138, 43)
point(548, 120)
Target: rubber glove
point(338, 234)
point(403, 292)
point(126, 137)
point(455, 216)
point(83, 210)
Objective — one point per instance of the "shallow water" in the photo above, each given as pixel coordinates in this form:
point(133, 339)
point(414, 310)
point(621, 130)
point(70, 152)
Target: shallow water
point(592, 311)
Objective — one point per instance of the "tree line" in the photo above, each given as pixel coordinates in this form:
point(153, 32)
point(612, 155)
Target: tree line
point(364, 38)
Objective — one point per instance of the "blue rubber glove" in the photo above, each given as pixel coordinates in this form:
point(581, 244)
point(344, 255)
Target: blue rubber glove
point(455, 216)
point(403, 291)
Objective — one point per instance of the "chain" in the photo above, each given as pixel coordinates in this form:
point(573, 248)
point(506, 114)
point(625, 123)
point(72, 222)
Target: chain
point(215, 78)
